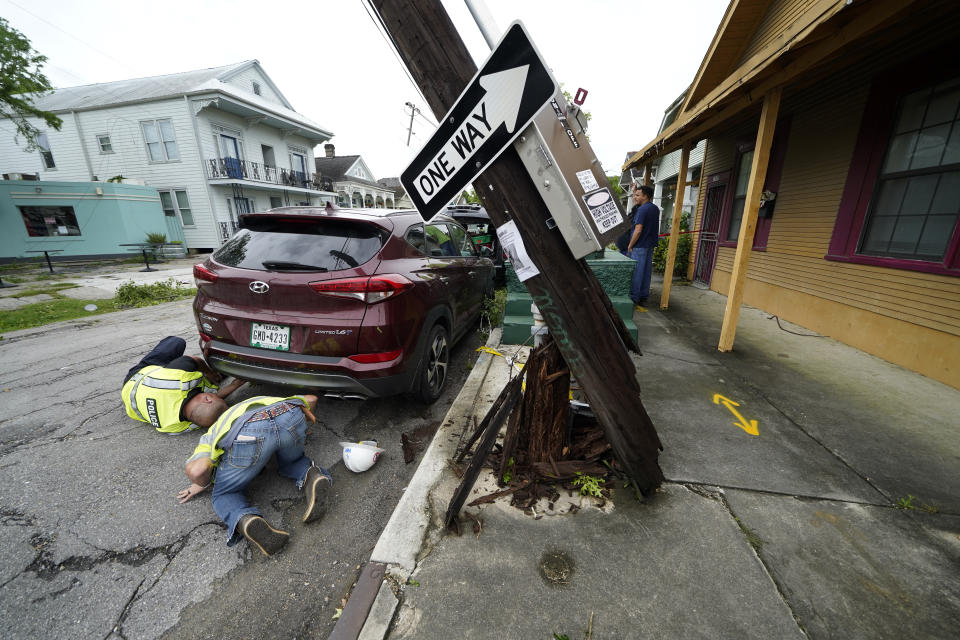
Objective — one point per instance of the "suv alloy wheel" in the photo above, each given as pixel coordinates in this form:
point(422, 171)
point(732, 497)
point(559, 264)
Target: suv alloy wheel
point(433, 372)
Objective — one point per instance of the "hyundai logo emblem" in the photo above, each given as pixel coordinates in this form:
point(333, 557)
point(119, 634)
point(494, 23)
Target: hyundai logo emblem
point(258, 286)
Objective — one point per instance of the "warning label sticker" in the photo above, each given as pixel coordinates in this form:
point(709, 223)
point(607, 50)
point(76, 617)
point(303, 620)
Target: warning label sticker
point(603, 209)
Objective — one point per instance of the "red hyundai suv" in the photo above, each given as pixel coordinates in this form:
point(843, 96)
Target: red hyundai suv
point(353, 302)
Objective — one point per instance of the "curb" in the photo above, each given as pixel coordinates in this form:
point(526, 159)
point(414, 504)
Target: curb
point(403, 537)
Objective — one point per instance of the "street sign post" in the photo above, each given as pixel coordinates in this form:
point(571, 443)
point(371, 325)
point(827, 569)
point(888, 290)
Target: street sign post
point(502, 98)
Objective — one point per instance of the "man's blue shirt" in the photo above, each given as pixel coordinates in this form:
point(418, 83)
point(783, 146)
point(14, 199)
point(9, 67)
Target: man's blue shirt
point(649, 216)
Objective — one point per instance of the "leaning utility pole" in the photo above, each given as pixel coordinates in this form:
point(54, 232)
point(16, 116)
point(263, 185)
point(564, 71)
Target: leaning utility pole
point(590, 335)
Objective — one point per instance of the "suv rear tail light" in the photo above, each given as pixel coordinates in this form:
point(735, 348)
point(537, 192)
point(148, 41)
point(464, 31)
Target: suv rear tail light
point(370, 358)
point(369, 290)
point(202, 274)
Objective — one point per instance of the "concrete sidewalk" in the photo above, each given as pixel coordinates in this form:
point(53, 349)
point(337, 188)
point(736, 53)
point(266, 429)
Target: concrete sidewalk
point(840, 518)
point(105, 284)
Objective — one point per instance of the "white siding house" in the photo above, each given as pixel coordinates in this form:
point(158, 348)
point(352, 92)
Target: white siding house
point(354, 182)
point(214, 142)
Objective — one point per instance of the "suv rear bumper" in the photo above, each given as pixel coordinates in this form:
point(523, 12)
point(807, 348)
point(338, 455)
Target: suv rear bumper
point(231, 360)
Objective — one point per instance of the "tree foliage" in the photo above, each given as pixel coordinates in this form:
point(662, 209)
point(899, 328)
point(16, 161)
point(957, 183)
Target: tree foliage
point(470, 197)
point(21, 82)
point(615, 185)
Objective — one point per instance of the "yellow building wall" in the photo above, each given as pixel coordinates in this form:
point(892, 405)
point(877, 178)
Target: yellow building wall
point(906, 317)
point(778, 18)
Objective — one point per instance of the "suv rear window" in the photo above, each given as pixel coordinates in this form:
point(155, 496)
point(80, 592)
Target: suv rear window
point(301, 245)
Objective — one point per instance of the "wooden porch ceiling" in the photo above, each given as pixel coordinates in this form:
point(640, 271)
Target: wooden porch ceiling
point(826, 31)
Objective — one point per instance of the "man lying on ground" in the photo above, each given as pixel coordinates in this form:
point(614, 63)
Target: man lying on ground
point(170, 390)
point(245, 437)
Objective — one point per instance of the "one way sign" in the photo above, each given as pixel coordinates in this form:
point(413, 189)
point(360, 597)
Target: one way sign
point(504, 96)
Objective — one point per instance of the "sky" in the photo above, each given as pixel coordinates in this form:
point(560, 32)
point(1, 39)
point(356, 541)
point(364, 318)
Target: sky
point(634, 58)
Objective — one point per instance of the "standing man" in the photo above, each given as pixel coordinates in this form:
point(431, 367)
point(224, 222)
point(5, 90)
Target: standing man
point(646, 227)
point(170, 390)
point(245, 438)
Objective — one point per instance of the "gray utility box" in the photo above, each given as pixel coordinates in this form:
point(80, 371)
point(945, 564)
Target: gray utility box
point(571, 181)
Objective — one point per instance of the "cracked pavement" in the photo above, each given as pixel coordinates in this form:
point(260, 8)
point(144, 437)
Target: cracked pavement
point(93, 543)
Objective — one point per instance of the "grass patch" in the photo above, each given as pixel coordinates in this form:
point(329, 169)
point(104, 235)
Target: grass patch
point(910, 503)
point(41, 313)
point(63, 308)
point(51, 289)
point(906, 503)
point(130, 294)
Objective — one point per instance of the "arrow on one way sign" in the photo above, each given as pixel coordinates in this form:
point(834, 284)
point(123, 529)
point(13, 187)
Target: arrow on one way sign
point(501, 99)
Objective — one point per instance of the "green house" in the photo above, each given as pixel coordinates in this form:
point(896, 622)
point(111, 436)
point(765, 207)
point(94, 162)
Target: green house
point(70, 219)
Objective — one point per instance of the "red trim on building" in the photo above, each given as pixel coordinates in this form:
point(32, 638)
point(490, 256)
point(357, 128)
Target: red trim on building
point(875, 130)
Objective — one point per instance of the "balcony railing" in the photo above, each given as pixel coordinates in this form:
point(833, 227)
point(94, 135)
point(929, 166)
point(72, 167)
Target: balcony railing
point(219, 168)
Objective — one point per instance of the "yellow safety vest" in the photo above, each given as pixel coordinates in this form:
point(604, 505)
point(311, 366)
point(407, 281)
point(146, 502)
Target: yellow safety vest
point(155, 394)
point(220, 428)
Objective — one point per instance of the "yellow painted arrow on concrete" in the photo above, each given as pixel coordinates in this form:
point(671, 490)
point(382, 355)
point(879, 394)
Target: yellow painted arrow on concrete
point(748, 426)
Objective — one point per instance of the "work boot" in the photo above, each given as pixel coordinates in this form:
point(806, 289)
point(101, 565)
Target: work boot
point(317, 484)
point(259, 532)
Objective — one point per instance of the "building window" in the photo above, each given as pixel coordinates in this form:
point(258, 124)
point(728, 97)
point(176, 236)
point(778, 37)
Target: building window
point(160, 139)
point(49, 221)
point(736, 201)
point(901, 205)
point(739, 195)
point(276, 201)
point(298, 165)
point(175, 202)
point(917, 197)
point(256, 88)
point(103, 141)
point(45, 154)
point(269, 159)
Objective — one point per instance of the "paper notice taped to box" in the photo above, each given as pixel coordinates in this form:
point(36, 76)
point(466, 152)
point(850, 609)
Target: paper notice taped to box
point(513, 244)
point(587, 181)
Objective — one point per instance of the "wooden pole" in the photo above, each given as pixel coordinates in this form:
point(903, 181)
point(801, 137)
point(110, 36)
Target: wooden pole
point(573, 305)
point(675, 226)
point(647, 170)
point(696, 223)
point(748, 224)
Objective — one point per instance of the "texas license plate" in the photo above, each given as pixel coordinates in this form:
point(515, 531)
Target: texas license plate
point(270, 336)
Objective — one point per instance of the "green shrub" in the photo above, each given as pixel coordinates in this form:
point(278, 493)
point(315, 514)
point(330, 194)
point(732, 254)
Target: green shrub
point(130, 294)
point(155, 237)
point(494, 306)
point(684, 246)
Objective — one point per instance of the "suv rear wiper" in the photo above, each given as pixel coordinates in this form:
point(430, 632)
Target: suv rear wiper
point(282, 265)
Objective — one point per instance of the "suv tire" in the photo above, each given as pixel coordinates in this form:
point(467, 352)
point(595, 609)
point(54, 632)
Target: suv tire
point(433, 367)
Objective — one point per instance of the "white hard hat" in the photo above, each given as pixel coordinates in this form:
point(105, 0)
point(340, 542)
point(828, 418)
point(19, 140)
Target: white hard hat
point(360, 456)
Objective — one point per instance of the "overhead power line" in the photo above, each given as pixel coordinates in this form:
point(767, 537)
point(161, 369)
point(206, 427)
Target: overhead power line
point(61, 30)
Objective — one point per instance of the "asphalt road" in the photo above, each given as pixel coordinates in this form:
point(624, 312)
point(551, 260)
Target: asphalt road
point(93, 543)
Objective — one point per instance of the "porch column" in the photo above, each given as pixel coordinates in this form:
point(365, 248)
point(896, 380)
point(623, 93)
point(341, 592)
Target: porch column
point(646, 175)
point(748, 224)
point(675, 226)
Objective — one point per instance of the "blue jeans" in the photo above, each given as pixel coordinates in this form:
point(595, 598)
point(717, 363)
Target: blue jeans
point(640, 284)
point(242, 462)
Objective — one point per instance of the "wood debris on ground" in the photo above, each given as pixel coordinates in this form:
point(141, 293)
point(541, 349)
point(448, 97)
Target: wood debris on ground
point(551, 445)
